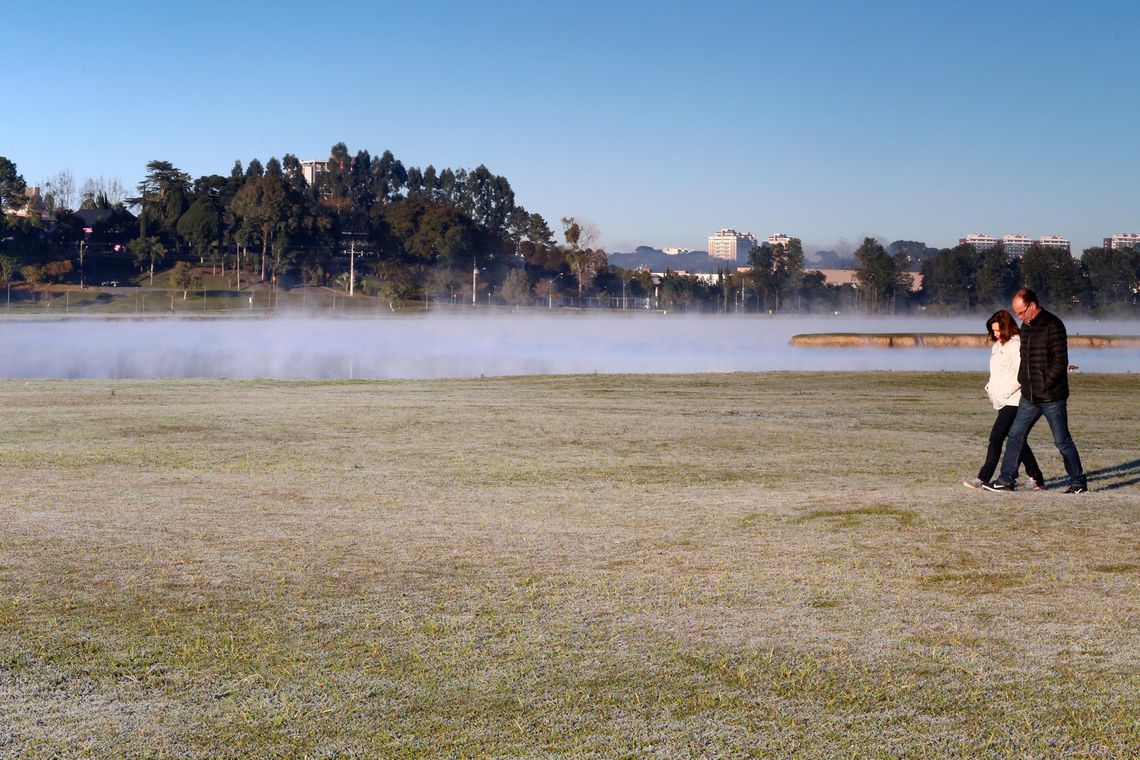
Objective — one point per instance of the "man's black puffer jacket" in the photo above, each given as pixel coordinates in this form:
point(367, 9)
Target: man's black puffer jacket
point(1044, 373)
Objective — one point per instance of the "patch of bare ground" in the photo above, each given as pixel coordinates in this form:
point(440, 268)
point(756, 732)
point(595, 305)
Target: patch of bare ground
point(781, 564)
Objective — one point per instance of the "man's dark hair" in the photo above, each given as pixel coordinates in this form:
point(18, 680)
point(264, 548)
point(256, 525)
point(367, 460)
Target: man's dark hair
point(1027, 296)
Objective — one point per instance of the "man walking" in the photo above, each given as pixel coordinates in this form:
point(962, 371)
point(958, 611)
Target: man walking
point(1044, 378)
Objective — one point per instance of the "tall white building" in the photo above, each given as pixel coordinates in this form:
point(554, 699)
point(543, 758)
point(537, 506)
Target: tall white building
point(313, 169)
point(1122, 240)
point(979, 240)
point(730, 245)
point(1016, 245)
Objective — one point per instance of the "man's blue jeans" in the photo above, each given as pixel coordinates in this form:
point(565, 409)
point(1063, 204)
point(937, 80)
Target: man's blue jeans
point(1057, 415)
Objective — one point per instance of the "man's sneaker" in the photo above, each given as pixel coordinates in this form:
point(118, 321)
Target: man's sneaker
point(997, 485)
point(1036, 485)
point(1077, 489)
point(975, 483)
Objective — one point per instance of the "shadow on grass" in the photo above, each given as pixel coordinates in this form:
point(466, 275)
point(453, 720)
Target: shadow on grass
point(1118, 476)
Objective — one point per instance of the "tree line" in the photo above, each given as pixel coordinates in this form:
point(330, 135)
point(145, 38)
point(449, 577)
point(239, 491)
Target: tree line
point(1103, 280)
point(411, 234)
point(414, 231)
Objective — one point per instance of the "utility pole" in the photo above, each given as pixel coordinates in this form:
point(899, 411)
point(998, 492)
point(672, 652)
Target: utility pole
point(351, 266)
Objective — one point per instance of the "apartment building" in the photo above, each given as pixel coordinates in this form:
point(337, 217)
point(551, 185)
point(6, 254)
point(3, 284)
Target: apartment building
point(979, 240)
point(730, 245)
point(1122, 240)
point(1014, 245)
point(313, 169)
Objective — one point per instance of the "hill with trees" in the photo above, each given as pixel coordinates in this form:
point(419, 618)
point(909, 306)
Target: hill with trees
point(416, 234)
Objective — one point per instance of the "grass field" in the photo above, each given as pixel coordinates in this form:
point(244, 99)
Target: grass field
point(721, 565)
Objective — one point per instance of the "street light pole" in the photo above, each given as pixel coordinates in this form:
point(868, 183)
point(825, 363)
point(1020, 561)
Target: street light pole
point(550, 291)
point(472, 280)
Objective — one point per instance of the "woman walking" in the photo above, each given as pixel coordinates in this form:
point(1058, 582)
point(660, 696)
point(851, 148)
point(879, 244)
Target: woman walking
point(1005, 392)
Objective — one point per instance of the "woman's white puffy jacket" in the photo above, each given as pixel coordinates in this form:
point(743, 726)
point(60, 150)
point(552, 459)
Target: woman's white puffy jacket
point(1005, 359)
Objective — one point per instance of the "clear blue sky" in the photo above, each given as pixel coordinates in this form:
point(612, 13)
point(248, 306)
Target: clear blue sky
point(659, 122)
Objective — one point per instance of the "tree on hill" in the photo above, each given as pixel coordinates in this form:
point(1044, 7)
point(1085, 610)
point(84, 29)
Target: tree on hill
point(12, 185)
point(776, 271)
point(164, 194)
point(1113, 273)
point(32, 274)
point(515, 289)
point(201, 227)
point(997, 277)
point(58, 270)
point(585, 263)
point(185, 277)
point(881, 278)
point(1054, 274)
point(950, 278)
point(147, 252)
point(8, 266)
point(915, 250)
point(262, 206)
point(430, 233)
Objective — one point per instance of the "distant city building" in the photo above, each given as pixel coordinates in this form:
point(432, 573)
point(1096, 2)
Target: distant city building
point(709, 278)
point(1122, 240)
point(779, 238)
point(313, 169)
point(730, 245)
point(677, 251)
point(979, 241)
point(33, 204)
point(850, 278)
point(1014, 245)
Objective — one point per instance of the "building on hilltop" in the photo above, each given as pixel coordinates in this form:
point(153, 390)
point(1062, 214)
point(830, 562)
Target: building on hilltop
point(676, 251)
point(779, 238)
point(979, 241)
point(1014, 245)
point(730, 245)
point(1122, 240)
point(313, 169)
point(1054, 241)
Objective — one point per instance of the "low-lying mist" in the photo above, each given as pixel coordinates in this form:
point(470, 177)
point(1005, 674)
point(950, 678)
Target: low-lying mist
point(502, 344)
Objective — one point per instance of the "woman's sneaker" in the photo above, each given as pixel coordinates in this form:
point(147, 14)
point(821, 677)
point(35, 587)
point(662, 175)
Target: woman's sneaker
point(975, 483)
point(998, 486)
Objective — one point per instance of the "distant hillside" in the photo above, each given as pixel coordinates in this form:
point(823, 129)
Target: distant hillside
point(658, 261)
point(918, 252)
point(828, 260)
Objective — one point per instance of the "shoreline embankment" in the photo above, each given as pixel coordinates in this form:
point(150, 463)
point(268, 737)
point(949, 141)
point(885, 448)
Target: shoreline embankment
point(942, 340)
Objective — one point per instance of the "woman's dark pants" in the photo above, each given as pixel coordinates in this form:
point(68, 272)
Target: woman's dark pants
point(998, 433)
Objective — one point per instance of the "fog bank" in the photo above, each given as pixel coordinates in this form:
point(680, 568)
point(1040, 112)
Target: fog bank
point(502, 344)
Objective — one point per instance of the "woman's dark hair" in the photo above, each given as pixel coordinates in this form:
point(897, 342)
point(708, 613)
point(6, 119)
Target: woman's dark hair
point(1007, 327)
